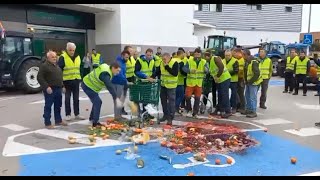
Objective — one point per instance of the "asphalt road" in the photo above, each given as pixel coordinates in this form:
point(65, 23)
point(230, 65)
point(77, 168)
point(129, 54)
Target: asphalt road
point(290, 117)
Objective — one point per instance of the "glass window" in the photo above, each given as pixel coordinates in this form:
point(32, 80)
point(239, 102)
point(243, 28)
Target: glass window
point(219, 8)
point(228, 43)
point(214, 43)
point(288, 9)
point(12, 47)
point(27, 48)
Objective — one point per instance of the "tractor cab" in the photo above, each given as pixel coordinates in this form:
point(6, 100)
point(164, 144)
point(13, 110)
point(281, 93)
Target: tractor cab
point(218, 44)
point(298, 47)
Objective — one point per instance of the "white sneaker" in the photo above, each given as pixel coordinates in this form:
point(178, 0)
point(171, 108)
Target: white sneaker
point(79, 117)
point(189, 114)
point(195, 116)
point(68, 118)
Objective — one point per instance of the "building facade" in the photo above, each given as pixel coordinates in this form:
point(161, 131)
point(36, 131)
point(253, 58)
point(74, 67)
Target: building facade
point(251, 23)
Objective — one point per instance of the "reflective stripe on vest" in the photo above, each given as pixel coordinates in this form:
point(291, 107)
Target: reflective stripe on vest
point(167, 80)
point(181, 77)
point(196, 79)
point(145, 68)
point(96, 58)
point(301, 66)
point(290, 63)
point(93, 81)
point(130, 67)
point(214, 72)
point(250, 74)
point(264, 67)
point(71, 70)
point(234, 78)
point(241, 68)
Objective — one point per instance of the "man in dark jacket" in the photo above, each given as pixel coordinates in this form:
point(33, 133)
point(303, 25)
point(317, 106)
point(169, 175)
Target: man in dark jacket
point(119, 81)
point(50, 79)
point(253, 80)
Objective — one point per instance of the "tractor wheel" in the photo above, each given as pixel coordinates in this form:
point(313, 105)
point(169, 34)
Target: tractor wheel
point(275, 65)
point(27, 77)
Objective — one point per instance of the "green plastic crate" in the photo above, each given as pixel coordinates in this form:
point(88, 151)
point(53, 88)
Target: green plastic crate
point(145, 92)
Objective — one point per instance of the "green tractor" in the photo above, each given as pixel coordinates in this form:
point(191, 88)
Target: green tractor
point(20, 59)
point(218, 44)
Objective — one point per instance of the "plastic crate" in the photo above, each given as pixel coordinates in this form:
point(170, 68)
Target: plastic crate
point(145, 92)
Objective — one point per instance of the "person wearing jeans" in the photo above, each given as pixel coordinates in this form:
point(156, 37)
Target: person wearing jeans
point(221, 75)
point(168, 73)
point(181, 60)
point(94, 82)
point(233, 68)
point(70, 62)
point(252, 79)
point(50, 79)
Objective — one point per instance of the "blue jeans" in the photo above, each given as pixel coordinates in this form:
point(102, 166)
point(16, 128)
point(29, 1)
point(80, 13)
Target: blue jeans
point(251, 97)
point(233, 98)
point(96, 103)
point(55, 98)
point(223, 96)
point(179, 95)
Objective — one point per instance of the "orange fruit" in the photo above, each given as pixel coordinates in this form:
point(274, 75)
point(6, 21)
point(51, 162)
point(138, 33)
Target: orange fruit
point(163, 143)
point(190, 174)
point(172, 140)
point(217, 161)
point(229, 161)
point(228, 142)
point(293, 160)
point(180, 142)
point(188, 149)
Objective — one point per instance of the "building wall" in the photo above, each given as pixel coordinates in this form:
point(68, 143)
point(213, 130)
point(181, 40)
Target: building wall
point(272, 17)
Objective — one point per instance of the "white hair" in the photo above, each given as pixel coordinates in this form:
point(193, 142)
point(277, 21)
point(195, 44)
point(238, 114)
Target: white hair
point(71, 45)
point(50, 52)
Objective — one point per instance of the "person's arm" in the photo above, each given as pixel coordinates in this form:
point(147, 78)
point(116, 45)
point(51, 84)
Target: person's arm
point(308, 67)
point(256, 72)
point(137, 71)
point(220, 65)
point(174, 70)
point(61, 63)
point(105, 77)
point(295, 67)
point(181, 64)
point(317, 61)
point(186, 69)
point(235, 69)
point(270, 69)
point(41, 77)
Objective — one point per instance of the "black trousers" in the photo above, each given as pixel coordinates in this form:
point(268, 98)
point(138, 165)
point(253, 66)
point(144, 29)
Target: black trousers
point(72, 87)
point(168, 102)
point(301, 78)
point(288, 81)
point(264, 89)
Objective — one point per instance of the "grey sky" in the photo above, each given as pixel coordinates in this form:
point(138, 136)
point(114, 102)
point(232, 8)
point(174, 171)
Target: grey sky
point(315, 14)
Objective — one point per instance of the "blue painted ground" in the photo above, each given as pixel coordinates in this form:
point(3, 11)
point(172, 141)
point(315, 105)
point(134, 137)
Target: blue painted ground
point(272, 157)
point(276, 83)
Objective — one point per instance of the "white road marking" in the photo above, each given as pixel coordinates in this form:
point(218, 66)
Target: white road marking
point(311, 174)
point(304, 132)
point(14, 127)
point(42, 101)
point(8, 98)
point(276, 121)
point(308, 106)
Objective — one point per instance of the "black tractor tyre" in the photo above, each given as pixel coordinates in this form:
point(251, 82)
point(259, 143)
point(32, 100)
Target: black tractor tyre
point(27, 77)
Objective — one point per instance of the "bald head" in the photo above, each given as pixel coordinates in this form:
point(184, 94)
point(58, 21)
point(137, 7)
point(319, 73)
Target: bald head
point(52, 57)
point(71, 48)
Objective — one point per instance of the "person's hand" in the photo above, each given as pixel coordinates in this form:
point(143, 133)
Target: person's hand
point(294, 75)
point(63, 90)
point(193, 70)
point(150, 79)
point(49, 90)
point(130, 83)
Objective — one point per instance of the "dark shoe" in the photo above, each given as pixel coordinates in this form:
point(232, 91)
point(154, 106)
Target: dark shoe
point(49, 127)
point(234, 111)
point(317, 95)
point(244, 112)
point(226, 115)
point(284, 91)
point(251, 115)
point(304, 94)
point(163, 119)
point(195, 116)
point(317, 124)
point(98, 124)
point(62, 123)
point(290, 92)
point(123, 112)
point(295, 94)
point(150, 117)
point(263, 106)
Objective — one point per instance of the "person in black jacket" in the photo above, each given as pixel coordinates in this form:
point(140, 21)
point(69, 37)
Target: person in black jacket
point(50, 79)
